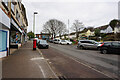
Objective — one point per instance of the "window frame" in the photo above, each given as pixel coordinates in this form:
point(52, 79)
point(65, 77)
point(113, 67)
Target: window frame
point(6, 40)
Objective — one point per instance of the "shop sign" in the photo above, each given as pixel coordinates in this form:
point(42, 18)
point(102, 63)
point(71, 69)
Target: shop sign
point(13, 22)
point(4, 19)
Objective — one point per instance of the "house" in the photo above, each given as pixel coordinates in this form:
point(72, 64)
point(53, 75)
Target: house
point(106, 29)
point(72, 35)
point(65, 36)
point(86, 32)
point(45, 36)
point(90, 32)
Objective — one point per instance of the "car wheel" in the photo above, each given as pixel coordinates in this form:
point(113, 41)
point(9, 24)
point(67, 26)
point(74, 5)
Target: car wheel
point(81, 47)
point(104, 51)
point(39, 47)
point(67, 43)
point(98, 48)
point(47, 47)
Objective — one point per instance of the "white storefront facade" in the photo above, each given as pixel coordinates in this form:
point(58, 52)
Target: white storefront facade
point(4, 34)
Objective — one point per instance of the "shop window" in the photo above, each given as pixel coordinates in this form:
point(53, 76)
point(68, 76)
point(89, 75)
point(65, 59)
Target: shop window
point(3, 40)
point(13, 37)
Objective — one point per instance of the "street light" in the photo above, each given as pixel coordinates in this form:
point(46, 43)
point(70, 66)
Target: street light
point(68, 30)
point(34, 22)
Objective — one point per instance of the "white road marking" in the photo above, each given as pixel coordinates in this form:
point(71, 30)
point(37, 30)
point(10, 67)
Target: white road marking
point(42, 71)
point(47, 63)
point(86, 65)
point(89, 67)
point(37, 58)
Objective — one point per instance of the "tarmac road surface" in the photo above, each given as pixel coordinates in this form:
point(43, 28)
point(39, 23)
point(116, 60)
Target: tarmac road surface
point(74, 63)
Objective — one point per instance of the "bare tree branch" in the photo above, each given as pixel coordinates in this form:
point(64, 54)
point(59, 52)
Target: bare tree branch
point(54, 27)
point(77, 26)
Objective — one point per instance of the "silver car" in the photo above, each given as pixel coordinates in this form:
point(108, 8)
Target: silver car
point(88, 44)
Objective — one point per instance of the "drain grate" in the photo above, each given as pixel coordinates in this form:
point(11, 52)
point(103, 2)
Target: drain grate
point(62, 78)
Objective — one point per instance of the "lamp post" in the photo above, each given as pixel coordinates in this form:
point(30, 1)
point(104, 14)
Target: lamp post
point(34, 21)
point(68, 30)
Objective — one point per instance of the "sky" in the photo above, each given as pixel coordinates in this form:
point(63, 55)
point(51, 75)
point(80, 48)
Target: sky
point(93, 13)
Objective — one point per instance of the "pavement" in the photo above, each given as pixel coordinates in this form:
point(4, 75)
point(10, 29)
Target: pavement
point(26, 63)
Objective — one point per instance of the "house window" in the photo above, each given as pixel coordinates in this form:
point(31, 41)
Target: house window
point(19, 5)
point(12, 7)
point(21, 22)
point(6, 3)
point(17, 16)
point(3, 40)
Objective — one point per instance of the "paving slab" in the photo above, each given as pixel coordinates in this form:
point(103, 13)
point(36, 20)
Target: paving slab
point(26, 63)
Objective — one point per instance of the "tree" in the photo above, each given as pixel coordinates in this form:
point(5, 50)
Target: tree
point(113, 23)
point(54, 27)
point(97, 32)
point(77, 26)
point(30, 35)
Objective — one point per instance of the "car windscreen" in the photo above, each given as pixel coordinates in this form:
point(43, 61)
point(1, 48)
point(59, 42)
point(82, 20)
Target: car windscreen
point(116, 44)
point(62, 40)
point(43, 42)
point(107, 43)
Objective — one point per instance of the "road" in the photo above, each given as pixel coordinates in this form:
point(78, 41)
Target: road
point(105, 64)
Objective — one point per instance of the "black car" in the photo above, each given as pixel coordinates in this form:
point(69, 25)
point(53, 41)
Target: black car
point(43, 44)
point(110, 47)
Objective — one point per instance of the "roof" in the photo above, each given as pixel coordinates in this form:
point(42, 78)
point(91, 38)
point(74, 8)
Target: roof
point(43, 34)
point(102, 27)
point(86, 29)
point(72, 33)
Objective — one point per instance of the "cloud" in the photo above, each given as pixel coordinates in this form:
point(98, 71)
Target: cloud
point(71, 0)
point(90, 13)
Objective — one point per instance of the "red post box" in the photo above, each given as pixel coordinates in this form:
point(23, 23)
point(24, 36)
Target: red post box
point(34, 44)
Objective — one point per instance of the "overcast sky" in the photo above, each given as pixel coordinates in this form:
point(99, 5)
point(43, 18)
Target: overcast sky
point(91, 12)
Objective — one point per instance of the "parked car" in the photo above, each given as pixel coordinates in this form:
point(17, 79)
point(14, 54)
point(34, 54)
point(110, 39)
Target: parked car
point(65, 42)
point(56, 41)
point(51, 41)
point(110, 47)
point(88, 44)
point(68, 42)
point(43, 44)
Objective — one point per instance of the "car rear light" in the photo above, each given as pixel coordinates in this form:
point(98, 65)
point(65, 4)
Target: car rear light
point(102, 44)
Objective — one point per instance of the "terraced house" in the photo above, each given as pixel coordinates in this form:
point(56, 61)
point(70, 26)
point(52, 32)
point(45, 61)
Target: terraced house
point(13, 25)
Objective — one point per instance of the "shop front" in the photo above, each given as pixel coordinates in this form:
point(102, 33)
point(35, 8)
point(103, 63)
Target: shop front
point(15, 35)
point(4, 34)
